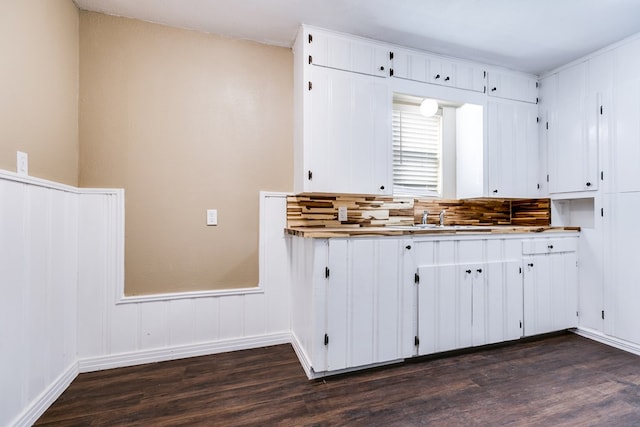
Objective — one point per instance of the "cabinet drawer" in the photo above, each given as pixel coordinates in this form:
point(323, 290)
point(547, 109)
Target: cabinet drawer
point(546, 246)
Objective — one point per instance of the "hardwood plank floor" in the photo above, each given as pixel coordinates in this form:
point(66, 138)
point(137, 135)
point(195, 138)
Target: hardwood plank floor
point(559, 380)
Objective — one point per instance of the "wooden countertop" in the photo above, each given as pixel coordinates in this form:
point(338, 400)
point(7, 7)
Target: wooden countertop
point(416, 231)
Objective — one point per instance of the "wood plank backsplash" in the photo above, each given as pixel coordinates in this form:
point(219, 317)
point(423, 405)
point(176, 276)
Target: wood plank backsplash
point(321, 210)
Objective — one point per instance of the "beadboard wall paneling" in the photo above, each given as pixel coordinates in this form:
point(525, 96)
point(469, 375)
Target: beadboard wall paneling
point(114, 332)
point(38, 308)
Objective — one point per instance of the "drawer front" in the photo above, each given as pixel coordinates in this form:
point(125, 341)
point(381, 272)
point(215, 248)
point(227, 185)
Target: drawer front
point(547, 246)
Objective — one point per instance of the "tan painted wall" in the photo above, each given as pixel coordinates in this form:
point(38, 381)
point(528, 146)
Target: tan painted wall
point(39, 87)
point(184, 121)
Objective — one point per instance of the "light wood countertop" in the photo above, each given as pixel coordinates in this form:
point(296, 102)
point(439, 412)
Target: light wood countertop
point(319, 232)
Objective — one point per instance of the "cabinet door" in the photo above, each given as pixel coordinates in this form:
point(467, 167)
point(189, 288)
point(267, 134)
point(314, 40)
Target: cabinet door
point(444, 308)
point(348, 54)
point(550, 293)
point(512, 86)
point(442, 72)
point(573, 148)
point(622, 293)
point(410, 65)
point(512, 148)
point(497, 303)
point(626, 146)
point(367, 307)
point(348, 134)
point(470, 77)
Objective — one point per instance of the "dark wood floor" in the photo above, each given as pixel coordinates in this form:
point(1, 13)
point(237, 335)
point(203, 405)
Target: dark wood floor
point(560, 380)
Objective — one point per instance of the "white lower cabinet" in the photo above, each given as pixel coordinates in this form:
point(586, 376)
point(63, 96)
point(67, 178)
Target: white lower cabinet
point(550, 285)
point(465, 305)
point(352, 302)
point(363, 301)
point(368, 309)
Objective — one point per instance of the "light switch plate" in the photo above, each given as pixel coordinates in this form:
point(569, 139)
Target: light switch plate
point(212, 217)
point(342, 213)
point(22, 163)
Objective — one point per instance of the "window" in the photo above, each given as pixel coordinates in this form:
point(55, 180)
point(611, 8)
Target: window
point(417, 152)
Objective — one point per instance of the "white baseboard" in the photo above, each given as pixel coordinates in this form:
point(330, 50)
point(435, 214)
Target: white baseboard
point(40, 404)
point(120, 360)
point(608, 340)
point(302, 357)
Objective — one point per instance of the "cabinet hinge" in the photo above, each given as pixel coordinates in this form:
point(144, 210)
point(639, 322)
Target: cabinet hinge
point(326, 339)
point(521, 324)
point(390, 55)
point(309, 175)
point(602, 314)
point(416, 341)
point(601, 110)
point(484, 75)
point(327, 272)
point(310, 85)
point(547, 177)
point(601, 175)
point(577, 314)
point(602, 212)
point(390, 72)
point(519, 270)
point(537, 100)
point(484, 90)
point(538, 186)
point(310, 38)
point(310, 59)
point(416, 278)
point(537, 119)
point(537, 85)
point(547, 125)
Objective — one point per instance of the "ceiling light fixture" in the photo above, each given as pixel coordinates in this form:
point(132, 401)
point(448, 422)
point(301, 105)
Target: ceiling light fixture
point(429, 107)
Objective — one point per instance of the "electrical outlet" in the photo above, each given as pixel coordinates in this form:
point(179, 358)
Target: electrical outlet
point(342, 213)
point(212, 217)
point(22, 163)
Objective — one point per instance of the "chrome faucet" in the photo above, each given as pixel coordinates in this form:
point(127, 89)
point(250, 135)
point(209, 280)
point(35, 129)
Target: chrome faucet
point(442, 218)
point(425, 215)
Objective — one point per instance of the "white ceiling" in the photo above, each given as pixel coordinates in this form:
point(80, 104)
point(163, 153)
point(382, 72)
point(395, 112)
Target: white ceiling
point(527, 35)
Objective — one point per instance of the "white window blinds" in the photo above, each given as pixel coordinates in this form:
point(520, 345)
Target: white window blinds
point(417, 148)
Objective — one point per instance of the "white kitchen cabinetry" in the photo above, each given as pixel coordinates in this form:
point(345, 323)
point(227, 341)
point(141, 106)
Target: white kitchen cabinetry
point(421, 67)
point(507, 166)
point(469, 293)
point(346, 53)
point(550, 285)
point(348, 133)
point(512, 147)
point(573, 136)
point(512, 86)
point(352, 302)
point(622, 293)
point(465, 305)
point(624, 150)
point(342, 123)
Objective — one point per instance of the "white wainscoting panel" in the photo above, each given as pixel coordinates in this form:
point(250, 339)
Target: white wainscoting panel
point(38, 308)
point(114, 331)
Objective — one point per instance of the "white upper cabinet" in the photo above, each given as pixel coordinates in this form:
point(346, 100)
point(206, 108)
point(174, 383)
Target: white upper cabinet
point(625, 148)
point(342, 115)
point(512, 147)
point(512, 86)
point(343, 102)
point(345, 53)
point(348, 134)
point(421, 67)
point(572, 133)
